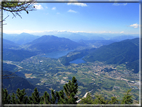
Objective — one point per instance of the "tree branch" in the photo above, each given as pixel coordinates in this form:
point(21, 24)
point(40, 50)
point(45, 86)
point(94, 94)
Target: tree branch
point(15, 7)
point(7, 76)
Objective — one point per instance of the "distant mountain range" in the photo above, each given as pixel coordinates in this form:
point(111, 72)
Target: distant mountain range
point(9, 44)
point(24, 38)
point(96, 43)
point(126, 51)
point(20, 39)
point(110, 51)
point(42, 44)
point(123, 37)
point(50, 43)
point(81, 36)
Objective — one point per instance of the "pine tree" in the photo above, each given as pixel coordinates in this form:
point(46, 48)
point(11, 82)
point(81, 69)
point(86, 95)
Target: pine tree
point(30, 101)
point(114, 100)
point(87, 100)
point(60, 97)
point(13, 100)
point(127, 99)
point(21, 98)
point(45, 99)
point(5, 97)
point(99, 100)
point(53, 99)
point(35, 98)
point(71, 89)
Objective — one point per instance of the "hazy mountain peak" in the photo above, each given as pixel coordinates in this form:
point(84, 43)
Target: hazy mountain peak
point(49, 43)
point(21, 39)
point(49, 36)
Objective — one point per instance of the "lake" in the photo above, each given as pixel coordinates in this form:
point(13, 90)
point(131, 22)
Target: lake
point(77, 61)
point(59, 54)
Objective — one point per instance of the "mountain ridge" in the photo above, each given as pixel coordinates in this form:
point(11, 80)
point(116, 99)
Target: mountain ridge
point(50, 43)
point(9, 44)
point(20, 39)
point(116, 53)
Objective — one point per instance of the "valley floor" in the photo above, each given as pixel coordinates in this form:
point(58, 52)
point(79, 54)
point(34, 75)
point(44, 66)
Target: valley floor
point(106, 79)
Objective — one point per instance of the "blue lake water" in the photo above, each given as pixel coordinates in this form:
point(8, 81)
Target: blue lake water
point(57, 54)
point(78, 61)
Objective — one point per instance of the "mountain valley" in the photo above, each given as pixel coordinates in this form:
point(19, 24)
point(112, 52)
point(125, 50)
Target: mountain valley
point(107, 68)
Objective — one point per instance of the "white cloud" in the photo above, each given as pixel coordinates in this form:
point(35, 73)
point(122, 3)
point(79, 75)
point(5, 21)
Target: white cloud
point(77, 4)
point(122, 32)
point(54, 8)
point(135, 25)
point(38, 6)
point(124, 4)
point(72, 11)
point(118, 4)
point(87, 31)
point(21, 31)
point(36, 32)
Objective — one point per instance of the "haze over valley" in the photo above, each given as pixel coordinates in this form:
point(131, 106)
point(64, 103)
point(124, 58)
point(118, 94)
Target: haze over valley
point(48, 62)
point(96, 44)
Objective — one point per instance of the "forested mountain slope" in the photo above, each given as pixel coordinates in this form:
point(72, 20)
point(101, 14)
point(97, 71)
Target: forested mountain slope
point(126, 51)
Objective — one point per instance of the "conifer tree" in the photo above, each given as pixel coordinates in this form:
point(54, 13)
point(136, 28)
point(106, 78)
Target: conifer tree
point(60, 97)
point(5, 97)
point(30, 101)
point(25, 100)
point(53, 99)
point(87, 100)
point(100, 100)
point(114, 100)
point(127, 99)
point(21, 98)
point(45, 98)
point(71, 89)
point(13, 99)
point(35, 99)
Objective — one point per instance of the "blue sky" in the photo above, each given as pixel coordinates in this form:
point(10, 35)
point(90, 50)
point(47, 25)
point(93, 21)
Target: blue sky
point(114, 18)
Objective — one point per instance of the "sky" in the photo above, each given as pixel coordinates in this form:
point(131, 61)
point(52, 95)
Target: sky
point(111, 18)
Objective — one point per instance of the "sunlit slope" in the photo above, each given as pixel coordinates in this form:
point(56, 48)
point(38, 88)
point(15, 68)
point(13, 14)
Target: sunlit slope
point(126, 51)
